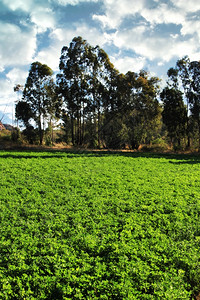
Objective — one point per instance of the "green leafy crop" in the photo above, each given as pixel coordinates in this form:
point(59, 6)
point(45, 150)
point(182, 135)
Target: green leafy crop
point(99, 226)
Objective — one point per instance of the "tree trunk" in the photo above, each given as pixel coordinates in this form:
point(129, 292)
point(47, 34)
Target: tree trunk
point(80, 130)
point(51, 128)
point(83, 127)
point(95, 128)
point(40, 130)
point(188, 133)
point(40, 122)
point(99, 126)
point(199, 133)
point(72, 130)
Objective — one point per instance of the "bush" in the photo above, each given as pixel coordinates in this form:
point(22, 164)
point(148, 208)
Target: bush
point(5, 135)
point(154, 148)
point(15, 134)
point(31, 135)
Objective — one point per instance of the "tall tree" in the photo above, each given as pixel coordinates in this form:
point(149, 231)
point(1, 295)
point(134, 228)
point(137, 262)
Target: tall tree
point(179, 78)
point(72, 81)
point(84, 80)
point(18, 88)
point(174, 114)
point(144, 108)
point(53, 105)
point(194, 95)
point(36, 97)
point(186, 76)
point(103, 92)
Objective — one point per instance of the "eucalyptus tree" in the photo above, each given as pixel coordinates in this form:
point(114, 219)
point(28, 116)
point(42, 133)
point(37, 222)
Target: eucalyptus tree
point(143, 119)
point(179, 79)
point(97, 97)
point(102, 89)
point(84, 80)
point(115, 131)
point(72, 81)
point(174, 114)
point(35, 103)
point(53, 107)
point(23, 112)
point(18, 88)
point(185, 76)
point(95, 90)
point(194, 94)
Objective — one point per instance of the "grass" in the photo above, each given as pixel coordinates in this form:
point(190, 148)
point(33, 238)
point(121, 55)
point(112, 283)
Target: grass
point(99, 225)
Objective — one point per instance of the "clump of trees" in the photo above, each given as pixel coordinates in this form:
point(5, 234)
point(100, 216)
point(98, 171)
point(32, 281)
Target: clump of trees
point(100, 107)
point(185, 79)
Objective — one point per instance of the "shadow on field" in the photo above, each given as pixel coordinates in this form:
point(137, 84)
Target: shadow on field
point(20, 156)
point(191, 162)
point(54, 153)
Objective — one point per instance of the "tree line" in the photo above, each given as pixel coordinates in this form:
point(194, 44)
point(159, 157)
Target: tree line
point(98, 106)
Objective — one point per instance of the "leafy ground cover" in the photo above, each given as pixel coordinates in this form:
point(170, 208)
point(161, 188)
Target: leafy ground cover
point(99, 226)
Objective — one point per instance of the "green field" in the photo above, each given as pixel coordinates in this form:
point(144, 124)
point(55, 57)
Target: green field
point(99, 225)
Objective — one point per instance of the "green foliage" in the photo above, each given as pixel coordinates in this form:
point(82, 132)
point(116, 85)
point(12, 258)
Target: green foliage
point(15, 135)
point(31, 135)
point(185, 76)
point(23, 112)
point(85, 83)
point(144, 113)
point(100, 101)
point(99, 226)
point(116, 133)
point(38, 97)
point(5, 135)
point(100, 107)
point(174, 114)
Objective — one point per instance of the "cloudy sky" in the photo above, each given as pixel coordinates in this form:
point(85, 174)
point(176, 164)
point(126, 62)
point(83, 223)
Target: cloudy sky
point(136, 34)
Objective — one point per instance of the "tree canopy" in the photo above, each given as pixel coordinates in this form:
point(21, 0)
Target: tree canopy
point(100, 107)
point(36, 103)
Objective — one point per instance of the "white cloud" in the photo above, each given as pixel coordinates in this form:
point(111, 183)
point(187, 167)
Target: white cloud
point(174, 36)
point(127, 63)
point(145, 38)
point(2, 69)
point(43, 18)
point(106, 21)
point(152, 46)
point(160, 63)
point(13, 77)
point(92, 34)
point(50, 56)
point(117, 10)
point(19, 4)
point(187, 6)
point(17, 76)
point(163, 14)
point(16, 47)
point(62, 37)
point(72, 2)
point(40, 13)
point(191, 27)
point(7, 95)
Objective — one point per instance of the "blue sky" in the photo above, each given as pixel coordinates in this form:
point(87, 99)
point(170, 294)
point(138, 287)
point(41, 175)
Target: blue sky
point(136, 34)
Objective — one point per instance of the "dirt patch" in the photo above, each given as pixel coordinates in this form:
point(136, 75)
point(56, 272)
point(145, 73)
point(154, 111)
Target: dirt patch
point(8, 145)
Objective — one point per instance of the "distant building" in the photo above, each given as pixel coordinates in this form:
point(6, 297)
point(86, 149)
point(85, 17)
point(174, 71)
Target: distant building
point(2, 126)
